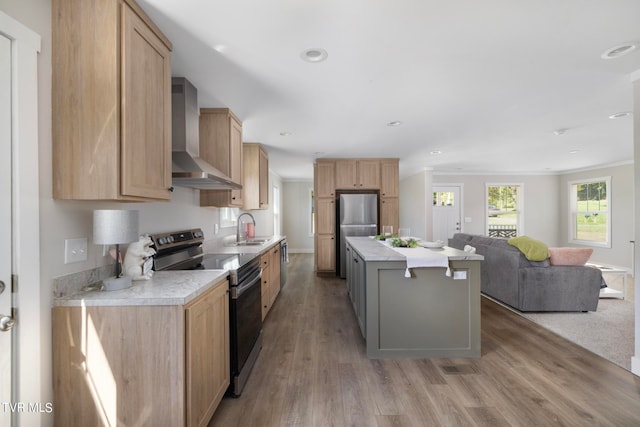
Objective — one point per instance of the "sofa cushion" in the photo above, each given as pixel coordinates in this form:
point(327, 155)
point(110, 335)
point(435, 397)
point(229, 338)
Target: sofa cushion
point(570, 256)
point(533, 250)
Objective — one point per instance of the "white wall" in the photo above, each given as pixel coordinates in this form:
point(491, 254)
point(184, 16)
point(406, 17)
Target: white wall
point(622, 207)
point(297, 216)
point(541, 202)
point(635, 78)
point(416, 205)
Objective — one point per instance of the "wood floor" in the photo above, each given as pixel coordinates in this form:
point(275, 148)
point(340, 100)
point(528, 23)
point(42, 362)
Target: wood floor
point(313, 371)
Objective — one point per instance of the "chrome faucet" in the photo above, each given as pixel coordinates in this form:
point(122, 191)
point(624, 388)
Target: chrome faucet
point(239, 223)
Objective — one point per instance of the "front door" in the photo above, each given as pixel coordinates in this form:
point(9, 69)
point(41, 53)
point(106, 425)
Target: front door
point(5, 231)
point(447, 209)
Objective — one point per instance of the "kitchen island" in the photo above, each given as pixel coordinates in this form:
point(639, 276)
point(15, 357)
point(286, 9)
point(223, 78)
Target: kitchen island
point(427, 315)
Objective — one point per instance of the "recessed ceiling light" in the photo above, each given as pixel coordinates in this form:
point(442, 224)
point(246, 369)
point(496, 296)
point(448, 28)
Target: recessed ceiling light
point(559, 132)
point(621, 115)
point(394, 123)
point(314, 54)
point(618, 51)
point(285, 133)
point(573, 151)
point(435, 152)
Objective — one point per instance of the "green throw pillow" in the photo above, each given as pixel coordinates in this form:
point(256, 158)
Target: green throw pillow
point(533, 250)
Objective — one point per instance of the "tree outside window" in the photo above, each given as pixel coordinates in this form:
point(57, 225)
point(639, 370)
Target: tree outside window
point(504, 210)
point(590, 212)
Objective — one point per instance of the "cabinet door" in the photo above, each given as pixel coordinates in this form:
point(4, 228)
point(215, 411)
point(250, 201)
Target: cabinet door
point(265, 286)
point(368, 174)
point(389, 212)
point(207, 344)
point(325, 179)
point(274, 273)
point(264, 179)
point(146, 111)
point(326, 253)
point(236, 161)
point(326, 216)
point(389, 178)
point(346, 174)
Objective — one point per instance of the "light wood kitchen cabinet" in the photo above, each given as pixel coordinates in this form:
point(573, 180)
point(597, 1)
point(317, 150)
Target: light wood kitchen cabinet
point(141, 365)
point(265, 287)
point(326, 216)
point(208, 369)
point(270, 263)
point(221, 147)
point(389, 173)
point(274, 273)
point(325, 178)
point(358, 174)
point(256, 177)
point(111, 102)
point(325, 253)
point(390, 212)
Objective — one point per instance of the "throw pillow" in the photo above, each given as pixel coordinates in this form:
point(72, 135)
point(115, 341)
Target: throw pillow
point(570, 256)
point(533, 250)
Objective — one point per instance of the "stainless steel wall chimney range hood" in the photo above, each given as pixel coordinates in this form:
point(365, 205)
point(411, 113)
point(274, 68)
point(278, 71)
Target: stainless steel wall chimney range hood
point(189, 170)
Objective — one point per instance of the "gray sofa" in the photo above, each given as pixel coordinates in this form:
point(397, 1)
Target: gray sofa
point(507, 276)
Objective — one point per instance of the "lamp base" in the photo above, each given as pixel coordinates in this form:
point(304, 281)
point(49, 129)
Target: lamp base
point(116, 283)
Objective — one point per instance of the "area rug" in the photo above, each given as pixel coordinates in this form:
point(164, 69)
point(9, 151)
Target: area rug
point(608, 332)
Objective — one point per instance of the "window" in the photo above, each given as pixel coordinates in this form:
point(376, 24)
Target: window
point(589, 221)
point(276, 210)
point(312, 209)
point(443, 198)
point(504, 210)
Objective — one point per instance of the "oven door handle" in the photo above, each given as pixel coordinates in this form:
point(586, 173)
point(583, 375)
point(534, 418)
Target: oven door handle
point(236, 291)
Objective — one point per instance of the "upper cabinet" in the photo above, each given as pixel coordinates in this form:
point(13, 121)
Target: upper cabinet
point(358, 174)
point(325, 172)
point(111, 102)
point(221, 147)
point(389, 186)
point(256, 177)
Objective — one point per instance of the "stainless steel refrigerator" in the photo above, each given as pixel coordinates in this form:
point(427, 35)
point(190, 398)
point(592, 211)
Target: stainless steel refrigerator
point(358, 216)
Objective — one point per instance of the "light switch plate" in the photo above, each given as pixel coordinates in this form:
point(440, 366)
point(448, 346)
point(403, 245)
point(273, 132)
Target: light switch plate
point(75, 250)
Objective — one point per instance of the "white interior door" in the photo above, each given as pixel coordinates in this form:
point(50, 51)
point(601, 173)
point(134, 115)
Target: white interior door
point(5, 230)
point(447, 210)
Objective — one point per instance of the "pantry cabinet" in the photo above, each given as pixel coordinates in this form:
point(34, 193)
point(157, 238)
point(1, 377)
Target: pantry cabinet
point(332, 176)
point(111, 102)
point(221, 147)
point(256, 177)
point(141, 364)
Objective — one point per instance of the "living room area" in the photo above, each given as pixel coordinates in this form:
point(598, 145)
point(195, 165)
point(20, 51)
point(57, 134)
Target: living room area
point(554, 209)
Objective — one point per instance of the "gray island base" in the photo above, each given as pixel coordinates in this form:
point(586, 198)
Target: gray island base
point(428, 315)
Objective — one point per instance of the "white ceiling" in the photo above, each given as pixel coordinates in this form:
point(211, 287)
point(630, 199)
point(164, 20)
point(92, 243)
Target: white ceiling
point(484, 82)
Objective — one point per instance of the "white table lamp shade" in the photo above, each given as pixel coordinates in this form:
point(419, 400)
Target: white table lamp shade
point(111, 227)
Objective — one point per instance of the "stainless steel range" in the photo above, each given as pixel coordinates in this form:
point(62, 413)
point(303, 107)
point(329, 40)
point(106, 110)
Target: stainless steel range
point(182, 250)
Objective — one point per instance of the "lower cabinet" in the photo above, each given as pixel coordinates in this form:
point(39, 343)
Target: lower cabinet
point(357, 287)
point(141, 365)
point(270, 262)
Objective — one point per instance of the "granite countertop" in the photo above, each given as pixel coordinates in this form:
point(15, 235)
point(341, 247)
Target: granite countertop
point(373, 250)
point(231, 248)
point(164, 288)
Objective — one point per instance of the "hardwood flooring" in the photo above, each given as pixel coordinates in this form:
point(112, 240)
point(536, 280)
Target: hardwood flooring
point(313, 371)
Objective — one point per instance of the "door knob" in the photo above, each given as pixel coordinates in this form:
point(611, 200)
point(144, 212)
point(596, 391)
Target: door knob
point(6, 323)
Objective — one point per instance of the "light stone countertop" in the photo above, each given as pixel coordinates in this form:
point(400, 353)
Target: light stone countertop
point(231, 248)
point(373, 250)
point(164, 288)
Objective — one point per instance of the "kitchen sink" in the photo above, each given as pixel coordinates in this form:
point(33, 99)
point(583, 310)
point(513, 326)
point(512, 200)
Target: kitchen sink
point(252, 242)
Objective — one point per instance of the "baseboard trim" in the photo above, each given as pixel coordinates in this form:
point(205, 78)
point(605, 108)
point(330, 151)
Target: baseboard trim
point(635, 365)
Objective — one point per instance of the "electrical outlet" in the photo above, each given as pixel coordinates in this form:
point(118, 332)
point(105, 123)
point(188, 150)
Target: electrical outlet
point(75, 250)
point(460, 275)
